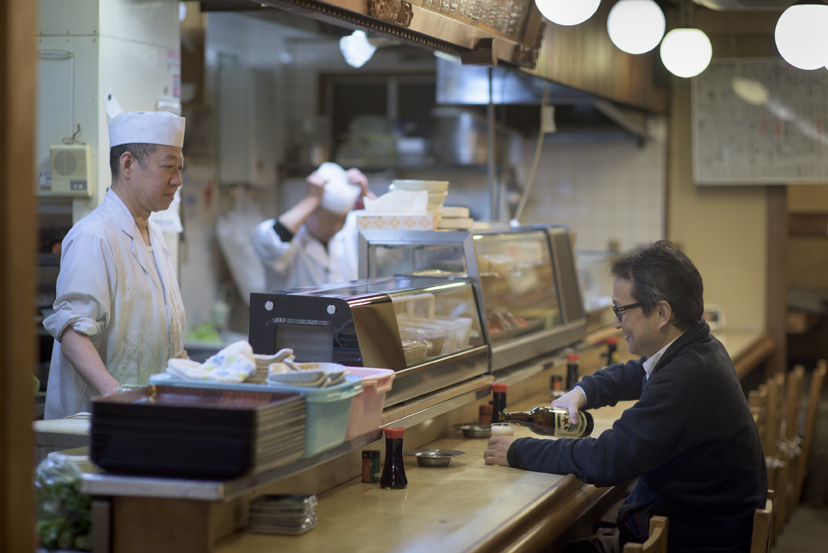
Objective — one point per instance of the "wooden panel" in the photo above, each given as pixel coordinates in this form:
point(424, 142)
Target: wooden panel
point(17, 274)
point(583, 57)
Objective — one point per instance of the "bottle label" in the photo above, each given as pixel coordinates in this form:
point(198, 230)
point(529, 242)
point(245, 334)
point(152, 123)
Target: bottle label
point(565, 427)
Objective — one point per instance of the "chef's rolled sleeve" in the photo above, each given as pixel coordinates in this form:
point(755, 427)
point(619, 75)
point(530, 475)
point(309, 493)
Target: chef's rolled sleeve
point(83, 288)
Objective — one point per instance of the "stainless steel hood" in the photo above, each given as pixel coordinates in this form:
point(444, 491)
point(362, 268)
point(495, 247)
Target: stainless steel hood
point(580, 116)
point(496, 30)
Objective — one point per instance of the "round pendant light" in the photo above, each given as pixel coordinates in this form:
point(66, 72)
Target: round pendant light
point(567, 12)
point(636, 26)
point(686, 52)
point(802, 35)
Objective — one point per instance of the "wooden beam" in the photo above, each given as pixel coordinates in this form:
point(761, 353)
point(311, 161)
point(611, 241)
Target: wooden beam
point(808, 224)
point(18, 231)
point(777, 286)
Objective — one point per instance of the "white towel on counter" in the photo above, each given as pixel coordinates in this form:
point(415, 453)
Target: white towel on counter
point(235, 363)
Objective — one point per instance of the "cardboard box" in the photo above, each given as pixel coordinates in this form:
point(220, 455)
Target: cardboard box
point(371, 221)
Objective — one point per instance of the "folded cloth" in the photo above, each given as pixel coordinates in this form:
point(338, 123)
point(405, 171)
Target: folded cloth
point(235, 363)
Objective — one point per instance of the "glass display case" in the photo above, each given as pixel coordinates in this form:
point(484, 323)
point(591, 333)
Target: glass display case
point(525, 280)
point(427, 329)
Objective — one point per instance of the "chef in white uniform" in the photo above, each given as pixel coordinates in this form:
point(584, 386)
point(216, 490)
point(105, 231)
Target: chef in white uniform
point(315, 242)
point(118, 312)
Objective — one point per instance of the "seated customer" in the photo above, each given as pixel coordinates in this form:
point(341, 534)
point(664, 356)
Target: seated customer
point(690, 438)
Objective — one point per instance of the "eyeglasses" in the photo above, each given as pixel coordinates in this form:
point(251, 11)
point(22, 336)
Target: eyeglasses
point(620, 310)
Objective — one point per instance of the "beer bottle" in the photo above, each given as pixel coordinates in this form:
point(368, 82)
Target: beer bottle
point(552, 421)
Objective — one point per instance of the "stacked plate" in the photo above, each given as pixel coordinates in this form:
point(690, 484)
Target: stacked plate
point(437, 193)
point(283, 514)
point(199, 433)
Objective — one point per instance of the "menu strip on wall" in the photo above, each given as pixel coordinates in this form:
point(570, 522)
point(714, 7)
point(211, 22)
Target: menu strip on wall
point(759, 121)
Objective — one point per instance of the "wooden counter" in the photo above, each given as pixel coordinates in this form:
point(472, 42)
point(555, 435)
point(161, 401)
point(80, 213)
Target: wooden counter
point(466, 507)
point(747, 349)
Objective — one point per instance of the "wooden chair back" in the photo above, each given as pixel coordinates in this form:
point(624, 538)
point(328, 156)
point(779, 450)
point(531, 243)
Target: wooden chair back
point(790, 446)
point(811, 411)
point(760, 541)
point(758, 403)
point(656, 543)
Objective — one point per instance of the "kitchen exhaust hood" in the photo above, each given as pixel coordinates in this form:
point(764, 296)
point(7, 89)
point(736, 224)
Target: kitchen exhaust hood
point(482, 32)
point(580, 116)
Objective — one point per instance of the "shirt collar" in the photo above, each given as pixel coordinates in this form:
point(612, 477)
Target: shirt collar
point(652, 361)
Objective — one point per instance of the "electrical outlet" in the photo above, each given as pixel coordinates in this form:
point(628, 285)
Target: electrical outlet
point(548, 119)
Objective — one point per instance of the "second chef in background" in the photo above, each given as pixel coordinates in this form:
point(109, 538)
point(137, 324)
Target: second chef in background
point(315, 242)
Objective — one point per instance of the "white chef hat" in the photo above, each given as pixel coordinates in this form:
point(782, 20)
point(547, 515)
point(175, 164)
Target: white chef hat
point(340, 196)
point(146, 127)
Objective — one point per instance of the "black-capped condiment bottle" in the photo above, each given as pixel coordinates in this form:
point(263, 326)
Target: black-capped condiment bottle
point(572, 362)
point(498, 400)
point(552, 421)
point(612, 351)
point(393, 472)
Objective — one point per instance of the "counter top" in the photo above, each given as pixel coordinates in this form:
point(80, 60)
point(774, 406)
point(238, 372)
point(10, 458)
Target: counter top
point(467, 506)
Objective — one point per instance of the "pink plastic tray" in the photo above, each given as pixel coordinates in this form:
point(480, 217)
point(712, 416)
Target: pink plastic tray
point(366, 410)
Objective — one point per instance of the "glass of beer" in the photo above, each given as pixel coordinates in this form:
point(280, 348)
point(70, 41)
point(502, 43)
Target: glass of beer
point(502, 429)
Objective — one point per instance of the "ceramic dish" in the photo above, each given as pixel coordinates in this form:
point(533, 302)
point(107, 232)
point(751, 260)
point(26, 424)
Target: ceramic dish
point(475, 430)
point(434, 457)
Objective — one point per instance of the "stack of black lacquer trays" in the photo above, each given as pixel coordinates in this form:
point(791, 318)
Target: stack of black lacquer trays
point(283, 514)
point(201, 433)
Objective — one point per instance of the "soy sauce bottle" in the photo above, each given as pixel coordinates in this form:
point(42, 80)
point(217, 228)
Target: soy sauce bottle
point(552, 421)
point(393, 472)
point(498, 400)
point(573, 360)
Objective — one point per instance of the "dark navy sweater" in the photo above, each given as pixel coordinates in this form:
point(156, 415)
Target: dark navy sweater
point(690, 439)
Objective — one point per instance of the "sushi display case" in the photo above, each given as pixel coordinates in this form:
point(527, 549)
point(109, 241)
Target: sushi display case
point(525, 280)
point(427, 329)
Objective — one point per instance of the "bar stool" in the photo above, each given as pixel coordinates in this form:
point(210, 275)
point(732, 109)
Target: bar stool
point(811, 411)
point(762, 523)
point(656, 543)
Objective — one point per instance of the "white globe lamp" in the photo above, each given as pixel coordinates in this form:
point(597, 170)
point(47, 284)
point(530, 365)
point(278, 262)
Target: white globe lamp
point(802, 35)
point(686, 52)
point(636, 26)
point(567, 12)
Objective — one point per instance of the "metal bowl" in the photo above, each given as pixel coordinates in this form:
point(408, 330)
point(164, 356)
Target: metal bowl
point(475, 430)
point(434, 457)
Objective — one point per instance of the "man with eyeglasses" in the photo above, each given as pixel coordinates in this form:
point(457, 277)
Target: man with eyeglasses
point(690, 439)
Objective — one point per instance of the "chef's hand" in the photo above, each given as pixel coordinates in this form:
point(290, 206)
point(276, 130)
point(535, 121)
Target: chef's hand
point(572, 400)
point(497, 450)
point(315, 186)
point(355, 176)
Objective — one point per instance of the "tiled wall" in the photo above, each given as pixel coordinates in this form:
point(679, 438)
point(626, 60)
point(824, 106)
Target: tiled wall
point(604, 191)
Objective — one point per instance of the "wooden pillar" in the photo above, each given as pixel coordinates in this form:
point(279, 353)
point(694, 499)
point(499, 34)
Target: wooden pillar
point(777, 286)
point(18, 231)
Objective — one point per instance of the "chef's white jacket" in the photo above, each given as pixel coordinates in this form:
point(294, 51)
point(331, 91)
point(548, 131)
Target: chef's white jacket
point(304, 260)
point(111, 289)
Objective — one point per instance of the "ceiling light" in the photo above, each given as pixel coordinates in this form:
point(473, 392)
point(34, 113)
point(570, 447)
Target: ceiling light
point(686, 52)
point(356, 48)
point(636, 26)
point(567, 12)
point(802, 35)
